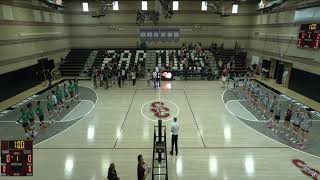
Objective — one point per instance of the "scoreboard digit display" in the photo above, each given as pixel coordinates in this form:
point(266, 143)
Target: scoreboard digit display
point(309, 36)
point(16, 158)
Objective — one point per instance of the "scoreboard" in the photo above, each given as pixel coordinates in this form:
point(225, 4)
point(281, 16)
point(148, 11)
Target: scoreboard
point(309, 36)
point(16, 158)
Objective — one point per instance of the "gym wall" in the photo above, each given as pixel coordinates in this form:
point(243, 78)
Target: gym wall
point(274, 35)
point(30, 31)
point(195, 25)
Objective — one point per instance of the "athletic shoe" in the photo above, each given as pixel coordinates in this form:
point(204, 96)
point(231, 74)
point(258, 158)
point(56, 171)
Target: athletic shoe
point(302, 146)
point(18, 122)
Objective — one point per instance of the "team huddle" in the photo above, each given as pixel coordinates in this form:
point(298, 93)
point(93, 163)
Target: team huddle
point(57, 101)
point(284, 117)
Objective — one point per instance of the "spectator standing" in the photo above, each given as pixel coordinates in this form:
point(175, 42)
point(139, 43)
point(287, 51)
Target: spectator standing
point(49, 76)
point(174, 137)
point(94, 79)
point(154, 77)
point(119, 75)
point(123, 75)
point(142, 168)
point(133, 77)
point(148, 77)
point(106, 77)
point(112, 173)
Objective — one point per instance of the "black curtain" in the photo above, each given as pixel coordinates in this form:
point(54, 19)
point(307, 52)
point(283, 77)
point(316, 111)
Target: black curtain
point(280, 70)
point(267, 65)
point(15, 82)
point(305, 83)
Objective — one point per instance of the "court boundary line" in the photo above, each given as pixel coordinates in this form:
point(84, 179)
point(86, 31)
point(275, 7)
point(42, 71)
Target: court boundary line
point(125, 118)
point(242, 107)
point(69, 120)
point(247, 111)
point(194, 118)
point(306, 153)
point(68, 128)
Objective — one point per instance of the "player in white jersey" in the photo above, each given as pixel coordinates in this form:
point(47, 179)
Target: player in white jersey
point(236, 84)
point(304, 126)
point(265, 105)
point(261, 92)
point(255, 95)
point(271, 106)
point(296, 120)
point(276, 117)
point(247, 89)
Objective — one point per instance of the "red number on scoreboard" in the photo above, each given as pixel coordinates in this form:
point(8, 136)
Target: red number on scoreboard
point(302, 35)
point(29, 158)
point(317, 44)
point(8, 158)
point(30, 169)
point(318, 36)
point(4, 169)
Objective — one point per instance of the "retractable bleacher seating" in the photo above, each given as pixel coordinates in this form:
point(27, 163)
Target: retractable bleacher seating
point(239, 60)
point(99, 58)
point(74, 62)
point(125, 59)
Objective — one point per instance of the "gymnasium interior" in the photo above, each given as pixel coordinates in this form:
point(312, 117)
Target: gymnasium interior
point(130, 71)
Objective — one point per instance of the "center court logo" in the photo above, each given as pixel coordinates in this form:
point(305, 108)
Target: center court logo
point(159, 109)
point(163, 109)
point(305, 169)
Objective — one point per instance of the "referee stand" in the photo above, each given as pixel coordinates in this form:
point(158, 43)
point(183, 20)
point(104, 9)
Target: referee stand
point(159, 160)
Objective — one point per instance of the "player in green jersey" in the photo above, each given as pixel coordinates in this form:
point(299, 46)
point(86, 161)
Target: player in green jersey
point(50, 108)
point(31, 120)
point(76, 88)
point(71, 90)
point(24, 120)
point(40, 114)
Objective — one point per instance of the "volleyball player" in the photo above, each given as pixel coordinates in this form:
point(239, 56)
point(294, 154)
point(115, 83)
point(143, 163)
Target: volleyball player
point(265, 105)
point(66, 94)
point(76, 88)
point(247, 89)
point(40, 114)
point(55, 104)
point(287, 118)
point(59, 96)
point(296, 125)
point(260, 101)
point(271, 106)
point(224, 77)
point(305, 126)
point(252, 94)
point(23, 119)
point(256, 96)
point(50, 108)
point(276, 117)
point(236, 84)
point(71, 91)
point(31, 120)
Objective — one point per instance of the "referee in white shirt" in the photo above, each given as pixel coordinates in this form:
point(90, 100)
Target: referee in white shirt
point(174, 138)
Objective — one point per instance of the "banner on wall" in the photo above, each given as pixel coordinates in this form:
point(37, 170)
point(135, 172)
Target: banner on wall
point(159, 34)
